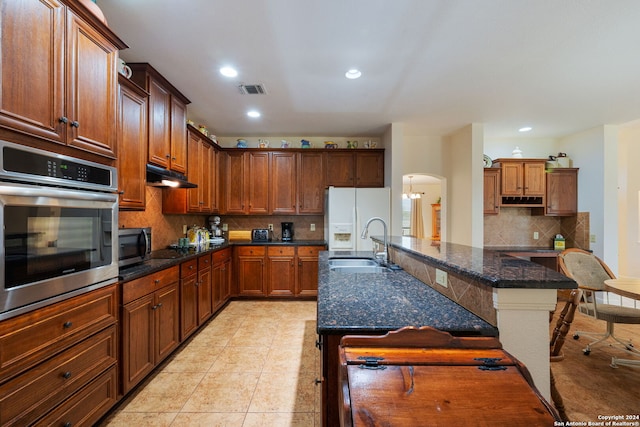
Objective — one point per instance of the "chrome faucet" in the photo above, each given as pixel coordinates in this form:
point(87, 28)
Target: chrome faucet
point(385, 254)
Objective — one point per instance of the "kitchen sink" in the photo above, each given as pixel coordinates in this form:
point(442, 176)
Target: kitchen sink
point(352, 262)
point(360, 269)
point(356, 265)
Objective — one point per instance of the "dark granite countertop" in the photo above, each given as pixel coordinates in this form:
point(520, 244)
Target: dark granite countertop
point(280, 243)
point(378, 303)
point(536, 249)
point(490, 267)
point(165, 258)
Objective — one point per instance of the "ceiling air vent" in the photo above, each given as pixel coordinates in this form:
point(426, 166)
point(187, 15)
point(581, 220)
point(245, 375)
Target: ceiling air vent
point(256, 89)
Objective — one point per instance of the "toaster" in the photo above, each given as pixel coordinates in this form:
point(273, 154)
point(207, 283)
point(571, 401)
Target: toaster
point(260, 235)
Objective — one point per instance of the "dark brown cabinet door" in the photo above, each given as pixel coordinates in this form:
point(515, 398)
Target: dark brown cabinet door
point(283, 183)
point(562, 192)
point(492, 191)
point(91, 88)
point(369, 168)
point(234, 173)
point(281, 269)
point(340, 169)
point(167, 319)
point(132, 145)
point(189, 306)
point(137, 341)
point(259, 183)
point(205, 294)
point(65, 88)
point(159, 122)
point(307, 284)
point(251, 271)
point(311, 183)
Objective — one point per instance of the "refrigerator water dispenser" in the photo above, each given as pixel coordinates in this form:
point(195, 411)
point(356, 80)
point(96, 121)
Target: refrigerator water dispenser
point(342, 236)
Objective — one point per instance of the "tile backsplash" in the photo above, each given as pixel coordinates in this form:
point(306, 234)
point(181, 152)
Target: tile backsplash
point(516, 226)
point(168, 228)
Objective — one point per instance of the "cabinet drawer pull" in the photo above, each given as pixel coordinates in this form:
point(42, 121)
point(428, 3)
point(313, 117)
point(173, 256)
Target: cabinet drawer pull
point(156, 281)
point(67, 424)
point(63, 120)
point(191, 267)
point(318, 381)
point(66, 375)
point(67, 324)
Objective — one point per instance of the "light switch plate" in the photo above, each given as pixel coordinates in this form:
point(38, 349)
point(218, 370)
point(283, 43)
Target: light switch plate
point(441, 277)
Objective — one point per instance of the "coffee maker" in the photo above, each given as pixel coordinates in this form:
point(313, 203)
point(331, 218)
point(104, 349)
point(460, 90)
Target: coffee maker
point(287, 231)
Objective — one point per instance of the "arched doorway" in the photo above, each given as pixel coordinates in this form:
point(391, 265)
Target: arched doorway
point(421, 193)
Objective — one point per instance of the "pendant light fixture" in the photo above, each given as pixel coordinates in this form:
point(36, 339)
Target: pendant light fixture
point(411, 194)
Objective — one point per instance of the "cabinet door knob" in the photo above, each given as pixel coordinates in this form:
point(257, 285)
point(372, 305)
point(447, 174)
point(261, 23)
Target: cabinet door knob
point(63, 120)
point(66, 375)
point(67, 325)
point(75, 124)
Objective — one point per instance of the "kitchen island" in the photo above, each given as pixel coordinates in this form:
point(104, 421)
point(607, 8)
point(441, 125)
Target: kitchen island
point(484, 293)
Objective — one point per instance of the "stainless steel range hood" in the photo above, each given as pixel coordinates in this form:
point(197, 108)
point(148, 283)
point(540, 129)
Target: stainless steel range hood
point(160, 177)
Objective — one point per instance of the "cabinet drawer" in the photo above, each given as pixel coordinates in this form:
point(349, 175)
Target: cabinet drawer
point(281, 250)
point(188, 268)
point(310, 251)
point(26, 397)
point(33, 337)
point(251, 250)
point(88, 405)
point(204, 261)
point(145, 285)
point(221, 256)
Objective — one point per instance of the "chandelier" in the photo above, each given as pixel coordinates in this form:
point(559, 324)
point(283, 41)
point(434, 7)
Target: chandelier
point(411, 194)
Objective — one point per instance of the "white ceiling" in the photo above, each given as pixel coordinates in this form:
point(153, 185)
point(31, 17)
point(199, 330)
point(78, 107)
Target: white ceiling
point(435, 65)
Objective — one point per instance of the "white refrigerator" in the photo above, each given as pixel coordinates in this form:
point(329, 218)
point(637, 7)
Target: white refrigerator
point(347, 210)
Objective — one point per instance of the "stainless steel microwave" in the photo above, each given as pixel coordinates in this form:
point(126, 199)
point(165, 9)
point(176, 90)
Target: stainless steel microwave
point(134, 245)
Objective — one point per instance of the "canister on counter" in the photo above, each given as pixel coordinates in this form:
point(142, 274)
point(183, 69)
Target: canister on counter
point(558, 243)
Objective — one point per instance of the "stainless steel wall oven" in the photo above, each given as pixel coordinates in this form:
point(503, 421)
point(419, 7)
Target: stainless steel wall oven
point(59, 219)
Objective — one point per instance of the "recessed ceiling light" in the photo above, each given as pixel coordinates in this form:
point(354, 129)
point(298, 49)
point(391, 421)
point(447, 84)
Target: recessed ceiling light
point(525, 129)
point(228, 71)
point(253, 114)
point(353, 74)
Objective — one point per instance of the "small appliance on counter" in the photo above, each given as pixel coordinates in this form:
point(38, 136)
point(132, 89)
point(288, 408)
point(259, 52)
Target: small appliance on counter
point(260, 235)
point(214, 224)
point(287, 231)
point(134, 245)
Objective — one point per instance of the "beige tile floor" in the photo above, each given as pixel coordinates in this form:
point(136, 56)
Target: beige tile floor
point(255, 364)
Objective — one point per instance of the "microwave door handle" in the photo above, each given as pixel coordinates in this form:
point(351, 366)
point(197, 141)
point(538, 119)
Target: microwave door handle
point(147, 243)
point(143, 243)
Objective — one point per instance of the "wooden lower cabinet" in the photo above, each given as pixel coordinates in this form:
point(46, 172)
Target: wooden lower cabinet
point(250, 262)
point(281, 270)
point(150, 324)
point(291, 271)
point(221, 278)
point(307, 283)
point(50, 358)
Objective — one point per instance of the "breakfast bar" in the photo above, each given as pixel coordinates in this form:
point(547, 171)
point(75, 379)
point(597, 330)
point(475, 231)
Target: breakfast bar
point(462, 290)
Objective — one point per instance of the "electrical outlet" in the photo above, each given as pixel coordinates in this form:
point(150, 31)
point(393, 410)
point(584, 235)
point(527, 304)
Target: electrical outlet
point(592, 238)
point(270, 227)
point(441, 277)
point(536, 236)
point(225, 227)
point(184, 229)
point(312, 227)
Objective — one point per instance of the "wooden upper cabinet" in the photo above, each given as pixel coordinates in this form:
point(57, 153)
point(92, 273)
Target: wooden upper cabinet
point(492, 191)
point(310, 183)
point(522, 177)
point(203, 170)
point(369, 168)
point(167, 118)
point(283, 183)
point(355, 168)
point(234, 178)
point(132, 144)
point(58, 66)
point(562, 192)
point(340, 169)
point(258, 183)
